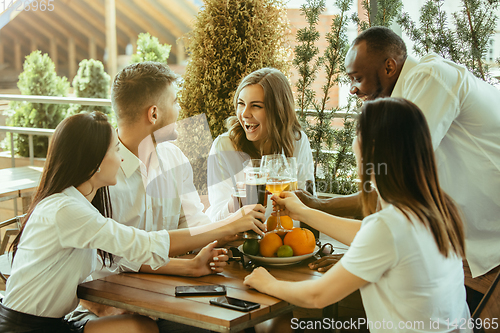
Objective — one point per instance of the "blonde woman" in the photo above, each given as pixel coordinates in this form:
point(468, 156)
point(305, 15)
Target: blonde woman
point(265, 123)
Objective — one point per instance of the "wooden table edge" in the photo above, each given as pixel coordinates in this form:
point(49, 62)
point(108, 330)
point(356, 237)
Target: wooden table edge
point(189, 321)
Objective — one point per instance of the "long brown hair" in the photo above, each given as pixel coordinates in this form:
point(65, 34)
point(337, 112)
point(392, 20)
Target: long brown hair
point(75, 153)
point(396, 149)
point(282, 124)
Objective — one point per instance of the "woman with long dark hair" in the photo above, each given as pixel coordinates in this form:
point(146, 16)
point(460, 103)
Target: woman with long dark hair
point(265, 123)
point(406, 259)
point(69, 222)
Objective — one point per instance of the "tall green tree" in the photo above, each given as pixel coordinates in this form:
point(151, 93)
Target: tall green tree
point(38, 78)
point(465, 41)
point(385, 13)
point(333, 159)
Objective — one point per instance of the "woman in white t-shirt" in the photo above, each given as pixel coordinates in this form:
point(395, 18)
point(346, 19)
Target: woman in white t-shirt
point(68, 224)
point(265, 123)
point(406, 259)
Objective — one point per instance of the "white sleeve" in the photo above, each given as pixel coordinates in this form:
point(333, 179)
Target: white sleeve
point(219, 184)
point(372, 252)
point(305, 163)
point(191, 207)
point(85, 227)
point(429, 91)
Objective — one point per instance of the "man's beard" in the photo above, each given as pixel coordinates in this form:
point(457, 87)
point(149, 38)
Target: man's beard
point(165, 133)
point(378, 91)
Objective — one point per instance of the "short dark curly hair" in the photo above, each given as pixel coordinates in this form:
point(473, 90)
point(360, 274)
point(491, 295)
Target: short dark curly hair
point(382, 41)
point(138, 87)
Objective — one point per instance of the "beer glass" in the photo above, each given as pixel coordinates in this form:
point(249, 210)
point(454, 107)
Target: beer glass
point(255, 189)
point(278, 179)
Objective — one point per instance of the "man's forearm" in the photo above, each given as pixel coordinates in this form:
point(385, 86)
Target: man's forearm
point(346, 206)
point(175, 266)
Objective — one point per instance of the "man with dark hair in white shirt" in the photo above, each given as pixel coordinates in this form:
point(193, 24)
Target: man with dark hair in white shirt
point(464, 119)
point(154, 189)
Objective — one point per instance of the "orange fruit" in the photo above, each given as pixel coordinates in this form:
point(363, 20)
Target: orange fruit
point(270, 244)
point(286, 222)
point(301, 241)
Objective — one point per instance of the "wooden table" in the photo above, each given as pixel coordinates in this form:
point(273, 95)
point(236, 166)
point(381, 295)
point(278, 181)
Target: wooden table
point(154, 295)
point(19, 182)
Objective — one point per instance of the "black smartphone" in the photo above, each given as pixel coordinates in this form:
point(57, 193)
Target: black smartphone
point(203, 290)
point(234, 303)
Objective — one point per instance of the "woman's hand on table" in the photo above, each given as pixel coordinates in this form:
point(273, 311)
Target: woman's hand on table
point(210, 260)
point(259, 279)
point(290, 205)
point(325, 263)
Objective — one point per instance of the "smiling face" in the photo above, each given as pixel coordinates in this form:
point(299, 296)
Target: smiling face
point(367, 73)
point(252, 113)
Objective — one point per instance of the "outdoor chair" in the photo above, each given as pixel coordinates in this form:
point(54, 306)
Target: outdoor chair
point(9, 232)
point(487, 313)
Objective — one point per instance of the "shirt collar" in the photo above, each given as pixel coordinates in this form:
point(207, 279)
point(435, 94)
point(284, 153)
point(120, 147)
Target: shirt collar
point(74, 193)
point(130, 161)
point(410, 62)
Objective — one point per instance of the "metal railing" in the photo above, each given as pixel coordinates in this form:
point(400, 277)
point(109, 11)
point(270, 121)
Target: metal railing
point(42, 131)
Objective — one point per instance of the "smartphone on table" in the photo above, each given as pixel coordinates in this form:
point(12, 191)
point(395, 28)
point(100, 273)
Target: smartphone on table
point(203, 290)
point(235, 303)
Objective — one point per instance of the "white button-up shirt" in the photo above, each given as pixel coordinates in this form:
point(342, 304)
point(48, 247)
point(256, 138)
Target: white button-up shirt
point(159, 196)
point(57, 251)
point(225, 168)
point(463, 113)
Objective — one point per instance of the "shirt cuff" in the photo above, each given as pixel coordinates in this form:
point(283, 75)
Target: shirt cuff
point(160, 247)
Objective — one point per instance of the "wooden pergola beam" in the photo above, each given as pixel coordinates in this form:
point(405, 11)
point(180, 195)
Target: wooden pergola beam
point(34, 25)
point(59, 28)
point(77, 23)
point(90, 24)
point(17, 41)
point(183, 13)
point(131, 14)
point(161, 17)
point(79, 7)
point(112, 64)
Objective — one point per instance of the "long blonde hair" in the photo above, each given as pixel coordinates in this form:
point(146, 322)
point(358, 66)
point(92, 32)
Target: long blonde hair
point(282, 124)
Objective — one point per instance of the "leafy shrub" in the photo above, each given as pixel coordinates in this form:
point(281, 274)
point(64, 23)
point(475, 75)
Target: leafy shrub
point(91, 81)
point(38, 78)
point(149, 48)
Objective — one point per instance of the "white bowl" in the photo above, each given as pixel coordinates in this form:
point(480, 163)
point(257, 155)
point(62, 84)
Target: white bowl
point(279, 261)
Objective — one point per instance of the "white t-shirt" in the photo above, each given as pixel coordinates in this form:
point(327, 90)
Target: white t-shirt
point(160, 198)
point(409, 280)
point(57, 251)
point(463, 113)
point(224, 161)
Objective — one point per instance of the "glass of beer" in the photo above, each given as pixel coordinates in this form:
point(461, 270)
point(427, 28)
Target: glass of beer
point(255, 189)
point(255, 183)
point(278, 179)
point(292, 166)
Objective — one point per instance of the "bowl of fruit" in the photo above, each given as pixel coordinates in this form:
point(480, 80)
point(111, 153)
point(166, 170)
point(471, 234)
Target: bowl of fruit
point(283, 248)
